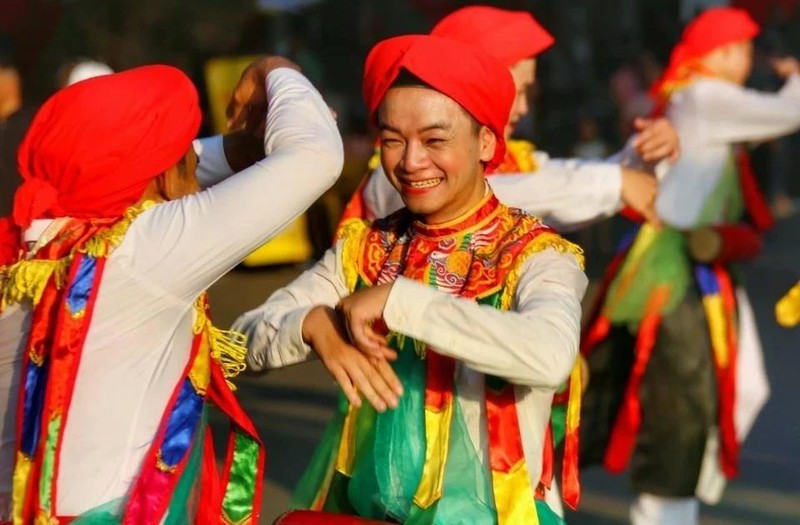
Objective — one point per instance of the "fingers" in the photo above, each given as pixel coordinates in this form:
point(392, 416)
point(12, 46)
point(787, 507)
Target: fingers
point(237, 106)
point(387, 372)
point(656, 150)
point(371, 382)
point(658, 141)
point(366, 339)
point(343, 379)
point(641, 123)
point(676, 154)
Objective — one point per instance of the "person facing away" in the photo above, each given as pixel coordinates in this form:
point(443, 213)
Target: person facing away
point(568, 193)
point(110, 362)
point(674, 304)
point(448, 325)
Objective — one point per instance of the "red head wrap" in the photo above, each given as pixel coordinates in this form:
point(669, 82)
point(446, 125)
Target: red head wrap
point(509, 36)
point(715, 27)
point(93, 147)
point(466, 74)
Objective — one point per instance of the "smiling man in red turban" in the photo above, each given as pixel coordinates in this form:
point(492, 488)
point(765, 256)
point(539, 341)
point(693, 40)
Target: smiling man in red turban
point(566, 193)
point(110, 362)
point(463, 314)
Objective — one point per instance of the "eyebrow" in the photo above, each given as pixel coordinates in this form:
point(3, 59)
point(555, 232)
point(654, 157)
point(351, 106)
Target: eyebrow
point(430, 127)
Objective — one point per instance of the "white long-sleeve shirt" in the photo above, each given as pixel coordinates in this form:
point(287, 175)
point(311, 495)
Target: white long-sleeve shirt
point(711, 116)
point(140, 335)
point(534, 346)
point(565, 193)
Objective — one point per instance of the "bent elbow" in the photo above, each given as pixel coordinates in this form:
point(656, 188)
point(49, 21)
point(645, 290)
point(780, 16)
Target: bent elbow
point(551, 373)
point(330, 160)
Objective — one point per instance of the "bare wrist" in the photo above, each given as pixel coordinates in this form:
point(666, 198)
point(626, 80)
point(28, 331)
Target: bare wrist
point(314, 319)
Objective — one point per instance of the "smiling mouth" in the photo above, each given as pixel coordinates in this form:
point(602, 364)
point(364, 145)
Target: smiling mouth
point(423, 184)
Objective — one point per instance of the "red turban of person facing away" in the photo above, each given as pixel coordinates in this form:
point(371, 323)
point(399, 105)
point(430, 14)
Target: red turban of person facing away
point(465, 73)
point(509, 36)
point(715, 27)
point(93, 147)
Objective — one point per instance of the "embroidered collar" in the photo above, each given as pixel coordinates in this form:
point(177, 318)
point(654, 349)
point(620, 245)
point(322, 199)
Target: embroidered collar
point(474, 219)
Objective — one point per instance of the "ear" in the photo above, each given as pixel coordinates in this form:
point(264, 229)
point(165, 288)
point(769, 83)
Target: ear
point(487, 143)
point(169, 184)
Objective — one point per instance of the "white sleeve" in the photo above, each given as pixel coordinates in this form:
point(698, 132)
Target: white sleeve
point(212, 165)
point(567, 194)
point(184, 246)
point(535, 344)
point(733, 114)
point(628, 157)
point(380, 197)
point(274, 329)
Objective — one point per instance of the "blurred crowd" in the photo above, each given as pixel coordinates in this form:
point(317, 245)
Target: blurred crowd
point(593, 84)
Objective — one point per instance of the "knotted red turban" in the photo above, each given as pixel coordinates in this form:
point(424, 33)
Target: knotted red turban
point(479, 83)
point(93, 147)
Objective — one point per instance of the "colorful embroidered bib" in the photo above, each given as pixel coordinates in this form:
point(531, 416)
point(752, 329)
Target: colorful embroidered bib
point(401, 462)
point(61, 280)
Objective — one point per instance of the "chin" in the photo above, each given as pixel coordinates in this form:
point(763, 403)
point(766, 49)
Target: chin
point(421, 205)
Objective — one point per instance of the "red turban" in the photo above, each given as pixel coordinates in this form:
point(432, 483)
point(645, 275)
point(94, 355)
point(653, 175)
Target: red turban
point(509, 36)
point(714, 28)
point(93, 147)
point(466, 74)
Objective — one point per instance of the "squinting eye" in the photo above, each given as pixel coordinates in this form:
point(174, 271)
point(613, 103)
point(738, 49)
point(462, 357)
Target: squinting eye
point(389, 142)
point(435, 141)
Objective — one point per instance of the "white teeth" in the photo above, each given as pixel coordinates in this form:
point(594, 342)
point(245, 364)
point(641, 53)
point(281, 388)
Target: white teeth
point(425, 183)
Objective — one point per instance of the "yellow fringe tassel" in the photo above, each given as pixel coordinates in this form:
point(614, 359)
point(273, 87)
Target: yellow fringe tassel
point(27, 279)
point(102, 244)
point(228, 347)
point(540, 243)
point(352, 234)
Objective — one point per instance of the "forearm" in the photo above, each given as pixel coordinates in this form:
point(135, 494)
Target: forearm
point(567, 194)
point(274, 330)
point(204, 235)
point(534, 345)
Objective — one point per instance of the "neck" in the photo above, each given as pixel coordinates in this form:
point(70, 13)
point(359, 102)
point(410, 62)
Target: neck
point(9, 106)
point(151, 193)
point(463, 207)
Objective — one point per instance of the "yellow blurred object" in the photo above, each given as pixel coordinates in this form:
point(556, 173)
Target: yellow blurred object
point(788, 309)
point(292, 245)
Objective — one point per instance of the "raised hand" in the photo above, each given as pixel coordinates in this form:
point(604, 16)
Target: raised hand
point(248, 104)
point(657, 140)
point(353, 370)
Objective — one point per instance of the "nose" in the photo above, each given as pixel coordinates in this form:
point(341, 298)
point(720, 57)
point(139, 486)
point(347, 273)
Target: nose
point(521, 106)
point(415, 157)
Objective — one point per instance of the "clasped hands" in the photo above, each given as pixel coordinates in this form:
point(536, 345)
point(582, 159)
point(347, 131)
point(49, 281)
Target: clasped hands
point(351, 347)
